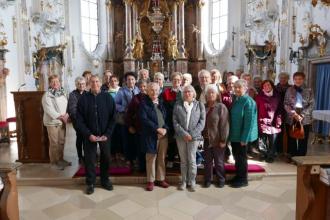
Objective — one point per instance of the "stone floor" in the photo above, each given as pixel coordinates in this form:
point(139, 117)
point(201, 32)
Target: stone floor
point(271, 198)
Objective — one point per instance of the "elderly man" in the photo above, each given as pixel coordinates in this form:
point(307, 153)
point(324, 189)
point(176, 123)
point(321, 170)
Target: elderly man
point(74, 97)
point(95, 120)
point(106, 80)
point(204, 78)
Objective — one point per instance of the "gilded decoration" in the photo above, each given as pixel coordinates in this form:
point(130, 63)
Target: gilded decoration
point(324, 2)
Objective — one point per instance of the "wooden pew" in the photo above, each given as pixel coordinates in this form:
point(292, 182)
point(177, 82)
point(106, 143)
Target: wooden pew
point(313, 196)
point(9, 195)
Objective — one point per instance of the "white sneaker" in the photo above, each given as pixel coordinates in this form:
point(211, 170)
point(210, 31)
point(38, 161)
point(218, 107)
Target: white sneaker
point(192, 188)
point(182, 186)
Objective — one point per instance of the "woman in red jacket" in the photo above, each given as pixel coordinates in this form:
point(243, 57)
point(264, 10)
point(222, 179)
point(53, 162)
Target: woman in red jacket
point(269, 119)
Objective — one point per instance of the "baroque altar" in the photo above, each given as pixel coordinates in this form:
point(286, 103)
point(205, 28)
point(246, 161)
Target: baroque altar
point(154, 34)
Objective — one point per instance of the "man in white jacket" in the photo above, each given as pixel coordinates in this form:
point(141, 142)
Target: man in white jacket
point(54, 103)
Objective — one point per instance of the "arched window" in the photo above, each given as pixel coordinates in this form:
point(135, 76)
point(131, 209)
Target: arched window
point(89, 24)
point(218, 31)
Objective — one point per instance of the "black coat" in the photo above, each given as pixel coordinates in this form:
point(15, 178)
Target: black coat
point(73, 103)
point(95, 114)
point(149, 125)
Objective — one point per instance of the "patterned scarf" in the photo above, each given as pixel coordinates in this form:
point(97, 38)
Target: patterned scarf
point(57, 92)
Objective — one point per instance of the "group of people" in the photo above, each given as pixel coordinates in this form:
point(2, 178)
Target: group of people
point(148, 124)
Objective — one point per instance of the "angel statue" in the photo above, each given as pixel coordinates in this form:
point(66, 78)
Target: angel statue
point(172, 47)
point(138, 46)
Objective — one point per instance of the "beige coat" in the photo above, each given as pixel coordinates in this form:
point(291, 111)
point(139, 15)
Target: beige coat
point(53, 108)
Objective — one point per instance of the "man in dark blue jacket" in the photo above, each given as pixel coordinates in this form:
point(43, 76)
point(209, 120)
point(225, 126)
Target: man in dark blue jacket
point(95, 120)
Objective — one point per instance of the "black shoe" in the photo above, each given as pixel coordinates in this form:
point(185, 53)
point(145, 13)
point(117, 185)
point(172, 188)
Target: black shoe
point(229, 182)
point(239, 184)
point(207, 184)
point(270, 160)
point(220, 184)
point(107, 186)
point(89, 189)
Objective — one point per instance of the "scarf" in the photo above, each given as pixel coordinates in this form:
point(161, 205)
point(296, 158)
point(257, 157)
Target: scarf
point(188, 108)
point(269, 94)
point(56, 92)
point(298, 89)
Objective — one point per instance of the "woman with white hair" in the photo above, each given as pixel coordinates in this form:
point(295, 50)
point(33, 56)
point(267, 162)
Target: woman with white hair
point(228, 96)
point(159, 78)
point(215, 136)
point(244, 129)
point(283, 84)
point(72, 111)
point(189, 122)
point(143, 74)
point(186, 79)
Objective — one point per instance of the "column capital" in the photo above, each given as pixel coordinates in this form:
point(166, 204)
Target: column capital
point(200, 3)
point(108, 3)
point(128, 2)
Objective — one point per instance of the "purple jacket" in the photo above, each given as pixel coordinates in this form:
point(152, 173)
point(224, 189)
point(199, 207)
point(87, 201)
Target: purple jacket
point(269, 113)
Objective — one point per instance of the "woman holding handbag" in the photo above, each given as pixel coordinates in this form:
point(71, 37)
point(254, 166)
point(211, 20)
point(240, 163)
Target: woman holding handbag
point(298, 104)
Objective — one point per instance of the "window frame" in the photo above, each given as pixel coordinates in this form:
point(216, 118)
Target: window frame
point(210, 43)
point(98, 8)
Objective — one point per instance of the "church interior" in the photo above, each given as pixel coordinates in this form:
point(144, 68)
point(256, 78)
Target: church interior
point(249, 40)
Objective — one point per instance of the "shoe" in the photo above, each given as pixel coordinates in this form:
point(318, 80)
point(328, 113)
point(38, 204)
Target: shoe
point(65, 163)
point(169, 164)
point(182, 186)
point(207, 184)
point(192, 188)
point(150, 186)
point(107, 186)
point(89, 189)
point(269, 160)
point(221, 185)
point(231, 180)
point(59, 166)
point(162, 184)
point(239, 184)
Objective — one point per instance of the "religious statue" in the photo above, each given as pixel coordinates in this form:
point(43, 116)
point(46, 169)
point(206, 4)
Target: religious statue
point(138, 46)
point(4, 72)
point(172, 47)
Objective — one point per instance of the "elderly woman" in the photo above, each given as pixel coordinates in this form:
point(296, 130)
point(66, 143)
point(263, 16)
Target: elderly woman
point(122, 99)
point(189, 122)
point(269, 120)
point(154, 137)
point(159, 78)
point(299, 104)
point(72, 111)
point(170, 96)
point(186, 79)
point(143, 74)
point(133, 121)
point(257, 80)
point(204, 78)
point(87, 75)
point(216, 79)
point(283, 84)
point(227, 97)
point(54, 103)
point(244, 129)
point(215, 136)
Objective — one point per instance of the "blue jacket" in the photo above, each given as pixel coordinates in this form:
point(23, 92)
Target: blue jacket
point(243, 120)
point(124, 97)
point(95, 114)
point(149, 125)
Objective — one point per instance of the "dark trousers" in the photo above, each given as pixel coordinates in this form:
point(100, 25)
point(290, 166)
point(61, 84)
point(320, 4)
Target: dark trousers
point(241, 165)
point(216, 154)
point(116, 141)
point(280, 143)
point(90, 149)
point(267, 145)
point(129, 142)
point(298, 147)
point(79, 142)
point(141, 154)
point(172, 150)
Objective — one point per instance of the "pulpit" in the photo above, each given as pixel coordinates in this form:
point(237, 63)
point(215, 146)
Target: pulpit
point(32, 139)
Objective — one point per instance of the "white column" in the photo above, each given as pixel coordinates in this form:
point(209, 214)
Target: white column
point(128, 24)
point(181, 29)
point(109, 22)
point(199, 44)
point(175, 19)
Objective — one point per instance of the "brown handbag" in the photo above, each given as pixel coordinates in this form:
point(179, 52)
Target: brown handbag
point(297, 130)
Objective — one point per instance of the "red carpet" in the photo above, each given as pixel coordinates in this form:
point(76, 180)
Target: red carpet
point(125, 171)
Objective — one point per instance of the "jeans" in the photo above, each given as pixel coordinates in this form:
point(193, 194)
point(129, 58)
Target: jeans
point(241, 165)
point(267, 145)
point(187, 152)
point(90, 149)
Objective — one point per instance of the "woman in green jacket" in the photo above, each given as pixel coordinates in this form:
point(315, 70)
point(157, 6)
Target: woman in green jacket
point(243, 129)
